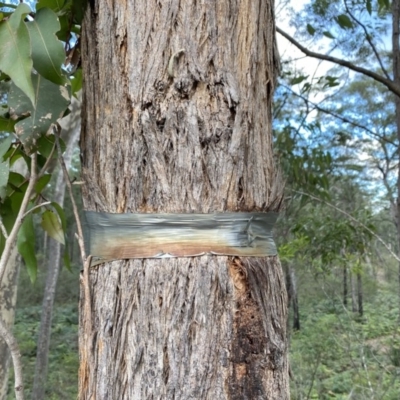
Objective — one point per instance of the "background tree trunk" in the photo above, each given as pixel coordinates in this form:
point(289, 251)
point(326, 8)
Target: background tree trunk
point(70, 133)
point(360, 295)
point(353, 285)
point(295, 299)
point(8, 300)
point(345, 285)
point(396, 79)
point(177, 118)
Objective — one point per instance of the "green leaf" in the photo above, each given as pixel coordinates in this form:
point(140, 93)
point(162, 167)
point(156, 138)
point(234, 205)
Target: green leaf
point(15, 51)
point(26, 246)
point(64, 32)
point(61, 214)
point(298, 79)
point(51, 102)
point(383, 4)
point(8, 219)
point(45, 145)
point(331, 81)
point(42, 183)
point(17, 195)
point(369, 7)
point(55, 5)
point(47, 51)
point(51, 224)
point(306, 87)
point(6, 124)
point(78, 9)
point(5, 145)
point(4, 173)
point(76, 81)
point(16, 179)
point(344, 21)
point(310, 29)
point(328, 35)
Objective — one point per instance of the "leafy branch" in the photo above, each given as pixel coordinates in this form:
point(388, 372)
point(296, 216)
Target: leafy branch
point(370, 231)
point(12, 237)
point(337, 116)
point(368, 38)
point(74, 206)
point(392, 86)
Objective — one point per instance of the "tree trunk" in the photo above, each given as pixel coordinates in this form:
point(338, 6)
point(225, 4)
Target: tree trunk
point(360, 295)
point(177, 118)
point(396, 79)
point(71, 131)
point(295, 299)
point(8, 300)
point(345, 286)
point(354, 302)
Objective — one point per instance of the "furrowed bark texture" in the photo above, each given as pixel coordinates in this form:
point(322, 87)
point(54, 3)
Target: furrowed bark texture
point(177, 118)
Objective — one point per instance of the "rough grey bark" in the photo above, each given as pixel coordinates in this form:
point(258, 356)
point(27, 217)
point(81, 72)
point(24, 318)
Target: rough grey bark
point(177, 118)
point(70, 133)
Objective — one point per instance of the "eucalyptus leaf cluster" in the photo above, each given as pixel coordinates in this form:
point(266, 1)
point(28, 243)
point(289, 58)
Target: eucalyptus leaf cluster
point(39, 72)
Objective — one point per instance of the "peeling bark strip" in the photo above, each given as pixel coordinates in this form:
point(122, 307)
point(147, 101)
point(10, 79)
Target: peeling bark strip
point(177, 119)
point(122, 236)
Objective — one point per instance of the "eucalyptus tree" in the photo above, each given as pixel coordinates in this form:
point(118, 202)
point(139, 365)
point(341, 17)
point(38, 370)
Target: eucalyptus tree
point(176, 119)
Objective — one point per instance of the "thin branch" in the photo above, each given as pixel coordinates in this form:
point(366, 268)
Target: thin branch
point(12, 344)
point(10, 242)
point(353, 219)
point(36, 207)
point(15, 150)
point(3, 229)
point(344, 119)
point(314, 373)
point(8, 247)
point(74, 206)
point(48, 161)
point(368, 37)
point(393, 87)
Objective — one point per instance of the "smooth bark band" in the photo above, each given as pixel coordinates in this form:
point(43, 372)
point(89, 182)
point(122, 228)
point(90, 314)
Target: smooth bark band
point(122, 236)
